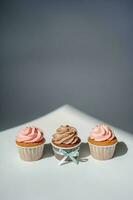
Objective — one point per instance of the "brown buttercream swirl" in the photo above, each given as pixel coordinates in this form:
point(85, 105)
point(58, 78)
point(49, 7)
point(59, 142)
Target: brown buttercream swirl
point(65, 135)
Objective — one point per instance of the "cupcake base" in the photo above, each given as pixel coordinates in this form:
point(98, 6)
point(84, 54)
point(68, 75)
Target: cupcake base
point(59, 155)
point(102, 152)
point(31, 153)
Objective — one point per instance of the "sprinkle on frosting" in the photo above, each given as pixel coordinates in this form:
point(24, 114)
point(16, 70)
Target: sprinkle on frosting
point(30, 135)
point(102, 133)
point(65, 135)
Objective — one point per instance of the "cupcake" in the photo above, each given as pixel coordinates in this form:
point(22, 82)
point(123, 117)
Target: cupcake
point(66, 144)
point(30, 143)
point(102, 142)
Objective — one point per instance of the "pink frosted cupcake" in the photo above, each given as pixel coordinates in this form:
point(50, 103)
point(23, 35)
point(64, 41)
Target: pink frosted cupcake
point(102, 142)
point(30, 142)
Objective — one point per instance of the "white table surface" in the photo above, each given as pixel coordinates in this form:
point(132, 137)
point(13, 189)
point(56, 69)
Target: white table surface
point(45, 180)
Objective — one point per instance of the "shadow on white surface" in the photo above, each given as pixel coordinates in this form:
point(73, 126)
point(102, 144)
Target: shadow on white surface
point(84, 152)
point(121, 149)
point(48, 152)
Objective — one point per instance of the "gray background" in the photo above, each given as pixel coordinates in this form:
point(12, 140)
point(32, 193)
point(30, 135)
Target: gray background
point(74, 52)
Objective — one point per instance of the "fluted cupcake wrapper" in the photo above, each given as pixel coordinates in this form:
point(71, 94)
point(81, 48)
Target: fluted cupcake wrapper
point(31, 153)
point(102, 152)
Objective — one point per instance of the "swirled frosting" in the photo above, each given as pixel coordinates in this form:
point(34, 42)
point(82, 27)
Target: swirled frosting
point(30, 135)
point(65, 135)
point(102, 133)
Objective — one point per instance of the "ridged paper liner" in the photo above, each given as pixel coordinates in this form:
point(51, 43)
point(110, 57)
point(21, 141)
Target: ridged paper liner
point(31, 153)
point(102, 152)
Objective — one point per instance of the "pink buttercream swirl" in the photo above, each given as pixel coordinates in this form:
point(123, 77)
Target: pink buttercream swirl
point(30, 135)
point(102, 133)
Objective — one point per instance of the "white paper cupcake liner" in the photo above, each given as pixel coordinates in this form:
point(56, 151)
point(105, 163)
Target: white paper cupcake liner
point(102, 152)
point(31, 153)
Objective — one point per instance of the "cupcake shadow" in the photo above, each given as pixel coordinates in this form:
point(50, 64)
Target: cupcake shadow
point(121, 149)
point(48, 152)
point(84, 152)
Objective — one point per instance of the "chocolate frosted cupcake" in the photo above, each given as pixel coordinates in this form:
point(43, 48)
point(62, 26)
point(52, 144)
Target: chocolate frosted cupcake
point(102, 142)
point(66, 140)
